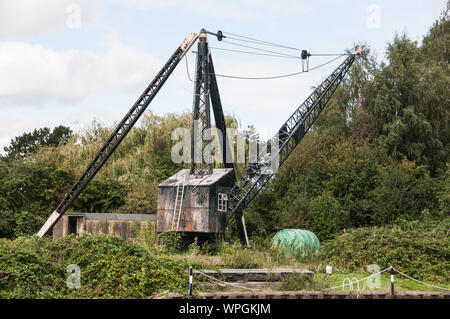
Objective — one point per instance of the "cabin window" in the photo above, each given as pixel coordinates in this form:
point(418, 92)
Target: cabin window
point(223, 200)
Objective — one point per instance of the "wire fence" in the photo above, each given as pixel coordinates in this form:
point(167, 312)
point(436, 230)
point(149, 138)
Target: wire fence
point(358, 281)
point(424, 283)
point(343, 285)
point(224, 282)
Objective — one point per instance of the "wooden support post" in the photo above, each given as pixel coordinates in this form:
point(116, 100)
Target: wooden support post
point(242, 230)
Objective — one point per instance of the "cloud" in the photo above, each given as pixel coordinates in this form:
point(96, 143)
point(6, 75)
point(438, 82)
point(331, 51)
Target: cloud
point(21, 19)
point(232, 10)
point(32, 74)
point(63, 87)
point(24, 18)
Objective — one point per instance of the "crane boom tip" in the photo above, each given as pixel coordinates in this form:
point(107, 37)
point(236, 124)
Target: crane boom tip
point(357, 50)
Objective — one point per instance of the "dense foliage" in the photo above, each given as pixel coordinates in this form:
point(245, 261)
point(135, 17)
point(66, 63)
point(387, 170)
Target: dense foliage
point(29, 143)
point(418, 248)
point(378, 153)
point(32, 267)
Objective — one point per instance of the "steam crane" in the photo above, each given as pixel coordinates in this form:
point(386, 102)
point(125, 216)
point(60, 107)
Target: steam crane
point(201, 201)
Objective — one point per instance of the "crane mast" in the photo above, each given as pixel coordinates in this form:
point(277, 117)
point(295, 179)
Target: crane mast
point(256, 175)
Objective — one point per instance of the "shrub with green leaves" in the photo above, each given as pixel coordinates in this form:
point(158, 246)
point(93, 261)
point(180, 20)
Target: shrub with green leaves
point(419, 248)
point(32, 267)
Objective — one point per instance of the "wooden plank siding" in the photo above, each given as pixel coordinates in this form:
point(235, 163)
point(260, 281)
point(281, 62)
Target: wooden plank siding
point(200, 202)
point(125, 226)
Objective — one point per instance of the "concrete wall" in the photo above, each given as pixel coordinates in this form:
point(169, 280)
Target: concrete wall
point(122, 228)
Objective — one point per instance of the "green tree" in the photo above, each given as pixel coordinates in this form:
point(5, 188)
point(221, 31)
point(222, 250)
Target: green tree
point(353, 178)
point(338, 115)
point(37, 182)
point(7, 223)
point(101, 196)
point(443, 194)
point(435, 43)
point(329, 218)
point(409, 101)
point(28, 143)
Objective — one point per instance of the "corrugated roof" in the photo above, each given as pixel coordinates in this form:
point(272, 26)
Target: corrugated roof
point(108, 216)
point(193, 180)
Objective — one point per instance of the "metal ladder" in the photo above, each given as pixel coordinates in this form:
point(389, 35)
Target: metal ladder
point(178, 205)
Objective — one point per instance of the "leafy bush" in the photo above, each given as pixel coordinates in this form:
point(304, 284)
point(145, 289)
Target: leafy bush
point(32, 267)
point(400, 193)
point(7, 223)
point(328, 216)
point(172, 241)
point(418, 248)
point(235, 256)
point(296, 281)
point(26, 223)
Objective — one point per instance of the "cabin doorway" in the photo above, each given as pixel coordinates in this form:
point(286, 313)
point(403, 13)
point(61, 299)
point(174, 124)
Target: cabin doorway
point(75, 224)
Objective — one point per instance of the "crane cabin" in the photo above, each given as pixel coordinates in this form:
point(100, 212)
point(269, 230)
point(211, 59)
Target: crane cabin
point(194, 205)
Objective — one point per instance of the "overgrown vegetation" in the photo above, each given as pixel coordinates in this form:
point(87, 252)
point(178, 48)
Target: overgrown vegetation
point(32, 267)
point(378, 153)
point(419, 248)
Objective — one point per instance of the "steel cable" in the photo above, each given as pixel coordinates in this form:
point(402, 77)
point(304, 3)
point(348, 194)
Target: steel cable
point(253, 40)
point(424, 283)
point(263, 50)
point(255, 53)
point(277, 76)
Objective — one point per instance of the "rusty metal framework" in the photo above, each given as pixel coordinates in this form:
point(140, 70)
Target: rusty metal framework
point(206, 94)
point(219, 116)
point(201, 159)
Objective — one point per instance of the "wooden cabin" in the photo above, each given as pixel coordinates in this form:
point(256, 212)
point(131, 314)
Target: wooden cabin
point(203, 206)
